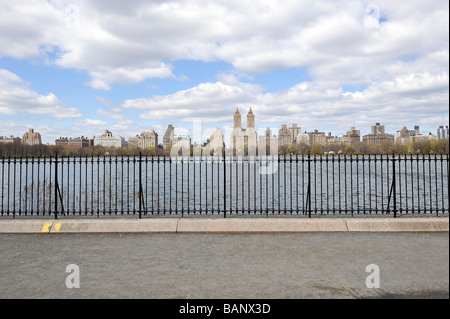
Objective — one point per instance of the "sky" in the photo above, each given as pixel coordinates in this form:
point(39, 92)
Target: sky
point(76, 68)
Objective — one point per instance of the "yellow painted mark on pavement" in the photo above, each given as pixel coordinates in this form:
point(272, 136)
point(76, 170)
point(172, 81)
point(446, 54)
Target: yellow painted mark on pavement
point(46, 227)
point(56, 227)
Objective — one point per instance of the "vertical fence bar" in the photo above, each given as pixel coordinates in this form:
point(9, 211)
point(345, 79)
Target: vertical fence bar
point(273, 186)
point(309, 185)
point(448, 185)
point(381, 183)
point(206, 186)
point(231, 184)
point(339, 185)
point(218, 184)
point(44, 204)
point(188, 184)
point(403, 196)
point(3, 184)
point(278, 186)
point(345, 184)
point(116, 163)
point(443, 179)
point(296, 181)
point(261, 186)
point(370, 186)
point(26, 184)
point(9, 184)
point(14, 189)
point(200, 183)
point(376, 184)
point(170, 186)
point(429, 182)
point(20, 186)
point(182, 186)
point(56, 186)
point(357, 187)
point(248, 180)
point(315, 184)
point(328, 184)
point(32, 188)
point(334, 184)
point(68, 181)
point(436, 184)
point(176, 185)
point(194, 164)
point(406, 184)
point(255, 189)
point(224, 185)
point(242, 185)
point(394, 185)
point(164, 185)
point(140, 192)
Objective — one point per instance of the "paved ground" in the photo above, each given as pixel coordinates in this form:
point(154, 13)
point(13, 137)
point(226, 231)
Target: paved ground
point(266, 266)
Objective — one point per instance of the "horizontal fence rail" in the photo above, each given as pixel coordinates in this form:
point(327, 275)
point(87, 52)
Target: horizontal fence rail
point(271, 185)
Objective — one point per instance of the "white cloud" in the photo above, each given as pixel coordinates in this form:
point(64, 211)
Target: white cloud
point(207, 101)
point(16, 98)
point(122, 123)
point(113, 113)
point(115, 44)
point(102, 79)
point(402, 59)
point(90, 122)
point(311, 105)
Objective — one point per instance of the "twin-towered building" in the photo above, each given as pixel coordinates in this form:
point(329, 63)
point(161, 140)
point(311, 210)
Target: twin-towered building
point(243, 141)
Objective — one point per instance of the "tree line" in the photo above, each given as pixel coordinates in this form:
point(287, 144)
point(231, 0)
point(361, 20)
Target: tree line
point(361, 148)
point(18, 149)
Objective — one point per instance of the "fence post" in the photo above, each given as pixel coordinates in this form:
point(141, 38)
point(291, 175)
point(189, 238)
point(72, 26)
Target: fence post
point(393, 184)
point(224, 185)
point(56, 185)
point(140, 185)
point(309, 185)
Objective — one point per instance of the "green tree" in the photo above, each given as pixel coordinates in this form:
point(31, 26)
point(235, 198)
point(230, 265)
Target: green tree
point(151, 150)
point(317, 149)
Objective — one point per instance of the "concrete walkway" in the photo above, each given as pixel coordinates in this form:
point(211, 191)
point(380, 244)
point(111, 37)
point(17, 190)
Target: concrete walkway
point(225, 266)
point(223, 225)
point(203, 258)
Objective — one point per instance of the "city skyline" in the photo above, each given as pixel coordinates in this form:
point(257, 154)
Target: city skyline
point(79, 68)
point(239, 137)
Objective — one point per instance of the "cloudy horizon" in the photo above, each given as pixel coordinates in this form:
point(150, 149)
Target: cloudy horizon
point(72, 68)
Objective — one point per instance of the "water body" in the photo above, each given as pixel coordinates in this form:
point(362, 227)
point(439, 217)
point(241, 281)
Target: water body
point(273, 185)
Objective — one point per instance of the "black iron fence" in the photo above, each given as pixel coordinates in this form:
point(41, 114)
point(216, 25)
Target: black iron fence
point(263, 185)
